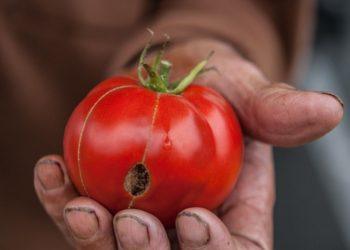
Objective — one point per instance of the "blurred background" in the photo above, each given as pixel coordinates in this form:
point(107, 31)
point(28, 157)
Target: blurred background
point(313, 182)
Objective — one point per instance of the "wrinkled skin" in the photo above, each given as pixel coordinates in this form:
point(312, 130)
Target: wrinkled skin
point(270, 114)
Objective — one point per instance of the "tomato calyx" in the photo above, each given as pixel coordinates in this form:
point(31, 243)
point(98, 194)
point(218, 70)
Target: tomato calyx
point(158, 74)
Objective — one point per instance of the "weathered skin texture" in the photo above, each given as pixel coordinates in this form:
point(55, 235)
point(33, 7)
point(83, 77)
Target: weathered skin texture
point(245, 219)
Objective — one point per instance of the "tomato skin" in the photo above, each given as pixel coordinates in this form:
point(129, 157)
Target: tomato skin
point(191, 145)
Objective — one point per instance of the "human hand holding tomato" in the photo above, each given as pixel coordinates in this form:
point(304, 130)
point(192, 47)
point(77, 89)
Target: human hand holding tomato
point(276, 114)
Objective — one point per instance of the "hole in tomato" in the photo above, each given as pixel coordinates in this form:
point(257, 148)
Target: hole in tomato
point(137, 180)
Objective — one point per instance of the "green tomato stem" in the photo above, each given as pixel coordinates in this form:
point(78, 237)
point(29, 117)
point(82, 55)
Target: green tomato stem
point(142, 60)
point(155, 81)
point(158, 73)
point(187, 80)
point(160, 53)
point(165, 67)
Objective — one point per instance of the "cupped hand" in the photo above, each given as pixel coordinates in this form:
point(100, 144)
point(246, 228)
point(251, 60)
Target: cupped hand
point(270, 113)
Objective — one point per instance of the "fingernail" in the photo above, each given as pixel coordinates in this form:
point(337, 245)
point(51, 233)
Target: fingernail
point(192, 230)
point(334, 96)
point(131, 231)
point(50, 174)
point(81, 221)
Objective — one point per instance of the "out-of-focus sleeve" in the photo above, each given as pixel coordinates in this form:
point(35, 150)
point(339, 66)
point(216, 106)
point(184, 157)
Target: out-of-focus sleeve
point(249, 26)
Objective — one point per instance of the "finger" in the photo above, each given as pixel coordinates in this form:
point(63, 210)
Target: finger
point(136, 229)
point(248, 212)
point(283, 116)
point(277, 113)
point(89, 225)
point(198, 228)
point(53, 187)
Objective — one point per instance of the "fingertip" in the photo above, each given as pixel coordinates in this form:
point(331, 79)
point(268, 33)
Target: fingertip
point(86, 204)
point(334, 96)
point(332, 108)
point(53, 187)
point(81, 221)
point(284, 116)
point(49, 172)
point(192, 230)
point(136, 229)
point(89, 223)
point(200, 228)
point(315, 114)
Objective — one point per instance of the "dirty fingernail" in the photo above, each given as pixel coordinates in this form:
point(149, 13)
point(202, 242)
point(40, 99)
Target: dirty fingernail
point(131, 232)
point(81, 221)
point(192, 230)
point(334, 96)
point(50, 174)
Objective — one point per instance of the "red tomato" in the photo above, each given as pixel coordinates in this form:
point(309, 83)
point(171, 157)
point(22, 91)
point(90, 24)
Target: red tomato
point(128, 146)
point(141, 144)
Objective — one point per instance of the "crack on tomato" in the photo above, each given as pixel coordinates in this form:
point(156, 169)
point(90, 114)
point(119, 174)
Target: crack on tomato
point(132, 202)
point(137, 180)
